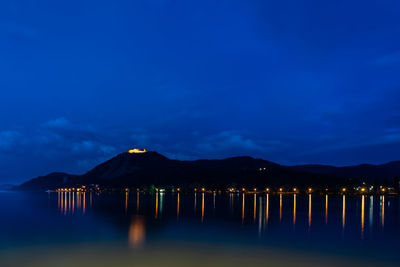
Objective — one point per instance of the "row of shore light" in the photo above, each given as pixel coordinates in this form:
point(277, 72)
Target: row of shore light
point(308, 190)
point(70, 190)
point(280, 190)
point(73, 189)
point(294, 190)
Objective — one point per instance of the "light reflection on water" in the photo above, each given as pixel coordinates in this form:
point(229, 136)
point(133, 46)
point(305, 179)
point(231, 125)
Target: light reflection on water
point(67, 205)
point(156, 212)
point(177, 206)
point(294, 209)
point(267, 208)
point(383, 210)
point(202, 207)
point(371, 211)
point(243, 197)
point(255, 206)
point(245, 218)
point(195, 202)
point(326, 209)
point(280, 207)
point(137, 231)
point(309, 210)
point(344, 212)
point(362, 215)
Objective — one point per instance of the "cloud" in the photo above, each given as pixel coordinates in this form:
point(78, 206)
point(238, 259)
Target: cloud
point(107, 149)
point(58, 143)
point(17, 30)
point(61, 128)
point(393, 58)
point(392, 130)
point(9, 139)
point(227, 142)
point(83, 146)
point(145, 139)
point(81, 141)
point(390, 138)
point(87, 146)
point(57, 123)
point(140, 138)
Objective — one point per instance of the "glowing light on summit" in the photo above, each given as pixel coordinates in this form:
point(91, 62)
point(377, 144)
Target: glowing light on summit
point(137, 151)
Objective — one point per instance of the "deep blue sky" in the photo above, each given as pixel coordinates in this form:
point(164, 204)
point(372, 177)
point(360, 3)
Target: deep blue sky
point(289, 81)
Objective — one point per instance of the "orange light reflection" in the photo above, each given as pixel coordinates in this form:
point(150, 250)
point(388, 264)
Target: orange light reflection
point(255, 206)
point(156, 212)
point(383, 211)
point(137, 231)
point(177, 207)
point(280, 207)
point(202, 207)
point(242, 207)
point(362, 215)
point(294, 209)
point(309, 210)
point(344, 212)
point(326, 209)
point(267, 209)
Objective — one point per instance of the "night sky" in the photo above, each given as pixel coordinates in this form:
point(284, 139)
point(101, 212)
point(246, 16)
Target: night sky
point(289, 81)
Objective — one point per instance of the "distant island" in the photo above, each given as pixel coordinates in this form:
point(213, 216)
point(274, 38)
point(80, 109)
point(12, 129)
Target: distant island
point(142, 169)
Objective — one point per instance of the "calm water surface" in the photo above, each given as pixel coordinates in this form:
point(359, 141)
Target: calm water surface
point(126, 229)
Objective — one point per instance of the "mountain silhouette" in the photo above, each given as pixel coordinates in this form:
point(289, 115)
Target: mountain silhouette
point(152, 168)
point(364, 172)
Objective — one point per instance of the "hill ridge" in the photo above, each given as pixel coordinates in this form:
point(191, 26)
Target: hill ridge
point(126, 169)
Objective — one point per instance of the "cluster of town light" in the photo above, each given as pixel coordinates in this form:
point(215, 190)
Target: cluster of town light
point(79, 189)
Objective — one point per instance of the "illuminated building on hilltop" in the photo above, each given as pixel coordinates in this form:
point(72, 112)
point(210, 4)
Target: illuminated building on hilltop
point(137, 151)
